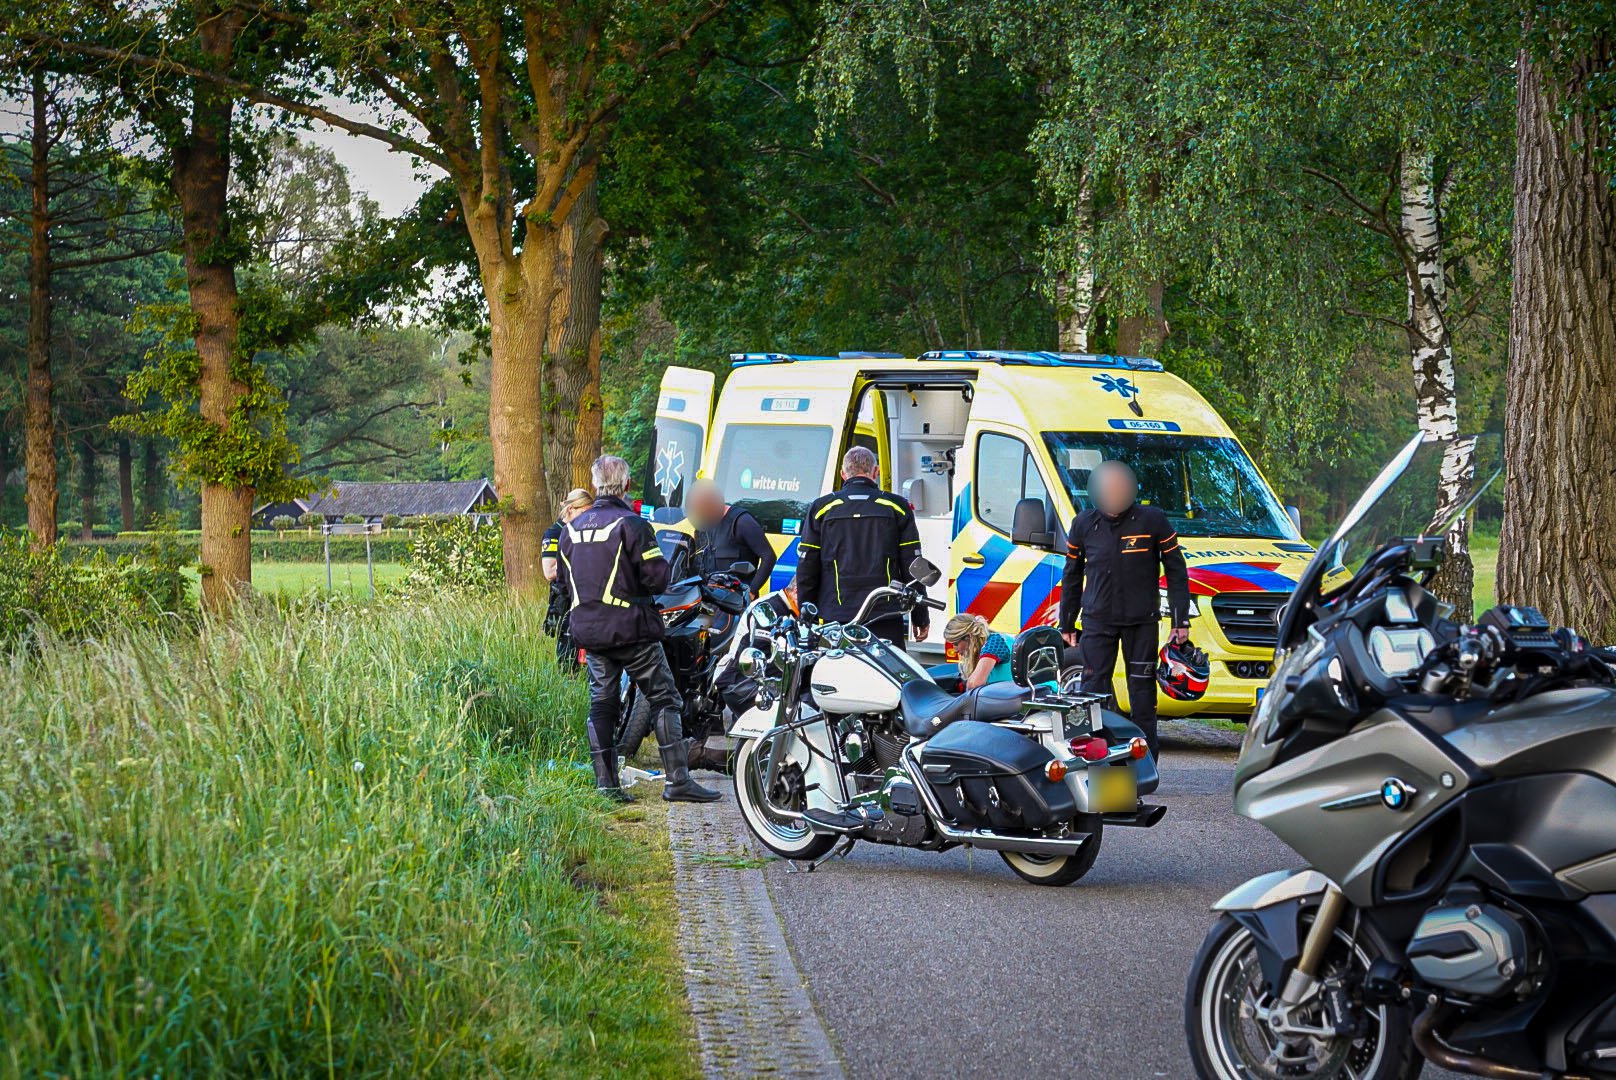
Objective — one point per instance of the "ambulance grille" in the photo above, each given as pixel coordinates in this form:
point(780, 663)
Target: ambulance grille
point(1248, 618)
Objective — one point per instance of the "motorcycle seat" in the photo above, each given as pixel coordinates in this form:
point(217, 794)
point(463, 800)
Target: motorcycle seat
point(927, 708)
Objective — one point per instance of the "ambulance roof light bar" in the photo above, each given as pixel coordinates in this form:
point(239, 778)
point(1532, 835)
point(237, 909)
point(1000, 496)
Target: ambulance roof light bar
point(1045, 359)
point(741, 359)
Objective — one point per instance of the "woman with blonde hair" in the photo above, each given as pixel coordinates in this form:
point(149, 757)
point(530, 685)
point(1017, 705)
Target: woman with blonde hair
point(555, 616)
point(984, 655)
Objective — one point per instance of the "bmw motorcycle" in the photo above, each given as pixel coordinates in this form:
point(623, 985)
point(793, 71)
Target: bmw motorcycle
point(851, 740)
point(1451, 790)
point(700, 614)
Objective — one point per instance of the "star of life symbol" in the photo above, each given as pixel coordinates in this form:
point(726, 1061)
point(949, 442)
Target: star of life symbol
point(1118, 385)
point(670, 469)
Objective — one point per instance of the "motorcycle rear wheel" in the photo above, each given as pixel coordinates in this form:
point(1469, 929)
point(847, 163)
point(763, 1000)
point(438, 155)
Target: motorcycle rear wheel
point(1227, 1035)
point(785, 837)
point(1058, 869)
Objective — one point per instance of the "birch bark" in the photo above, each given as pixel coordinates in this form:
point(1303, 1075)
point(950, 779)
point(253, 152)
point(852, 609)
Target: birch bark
point(1074, 289)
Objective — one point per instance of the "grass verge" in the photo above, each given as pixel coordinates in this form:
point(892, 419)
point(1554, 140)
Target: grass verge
point(324, 841)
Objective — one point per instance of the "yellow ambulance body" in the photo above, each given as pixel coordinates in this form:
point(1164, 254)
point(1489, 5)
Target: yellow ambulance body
point(992, 450)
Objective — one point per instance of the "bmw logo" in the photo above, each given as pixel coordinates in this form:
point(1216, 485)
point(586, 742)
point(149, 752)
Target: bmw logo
point(1396, 794)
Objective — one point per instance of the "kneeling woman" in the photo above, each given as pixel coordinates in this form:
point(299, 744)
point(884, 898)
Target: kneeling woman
point(984, 655)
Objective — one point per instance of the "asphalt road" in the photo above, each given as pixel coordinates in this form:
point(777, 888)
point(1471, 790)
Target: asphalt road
point(923, 964)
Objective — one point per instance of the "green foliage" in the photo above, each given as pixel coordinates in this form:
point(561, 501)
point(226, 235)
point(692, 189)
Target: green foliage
point(288, 847)
point(41, 592)
point(252, 448)
point(282, 522)
point(353, 519)
point(391, 521)
point(454, 556)
point(308, 519)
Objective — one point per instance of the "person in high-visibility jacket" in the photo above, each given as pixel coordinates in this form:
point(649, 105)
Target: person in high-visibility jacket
point(855, 540)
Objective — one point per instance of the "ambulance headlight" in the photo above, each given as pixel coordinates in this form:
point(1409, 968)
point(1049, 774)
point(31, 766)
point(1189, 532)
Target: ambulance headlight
point(1167, 610)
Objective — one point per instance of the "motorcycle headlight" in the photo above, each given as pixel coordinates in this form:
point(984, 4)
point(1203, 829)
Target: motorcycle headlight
point(752, 663)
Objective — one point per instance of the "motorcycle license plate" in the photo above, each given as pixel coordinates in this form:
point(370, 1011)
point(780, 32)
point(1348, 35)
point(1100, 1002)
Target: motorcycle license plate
point(1112, 789)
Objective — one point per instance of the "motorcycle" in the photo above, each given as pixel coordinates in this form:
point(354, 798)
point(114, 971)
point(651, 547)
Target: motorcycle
point(1452, 791)
point(850, 739)
point(700, 614)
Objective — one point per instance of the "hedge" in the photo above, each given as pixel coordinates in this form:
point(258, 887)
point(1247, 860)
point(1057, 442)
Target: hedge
point(267, 547)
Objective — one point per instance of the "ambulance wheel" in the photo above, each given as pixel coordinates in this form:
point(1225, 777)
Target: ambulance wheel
point(1044, 869)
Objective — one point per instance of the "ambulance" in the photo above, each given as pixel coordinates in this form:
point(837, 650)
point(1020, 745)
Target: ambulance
point(993, 451)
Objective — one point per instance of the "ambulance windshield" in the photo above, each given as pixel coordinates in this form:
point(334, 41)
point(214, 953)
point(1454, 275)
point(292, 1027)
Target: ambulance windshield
point(1206, 485)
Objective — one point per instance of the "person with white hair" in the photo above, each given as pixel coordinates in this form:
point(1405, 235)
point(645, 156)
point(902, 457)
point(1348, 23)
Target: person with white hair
point(614, 568)
point(855, 540)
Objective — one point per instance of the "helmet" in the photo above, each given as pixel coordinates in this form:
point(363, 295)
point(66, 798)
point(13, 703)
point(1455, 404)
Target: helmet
point(1183, 671)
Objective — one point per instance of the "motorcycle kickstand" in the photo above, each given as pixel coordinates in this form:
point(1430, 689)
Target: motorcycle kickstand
point(797, 866)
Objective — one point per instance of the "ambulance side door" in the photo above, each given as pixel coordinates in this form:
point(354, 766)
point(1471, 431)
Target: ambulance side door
point(1011, 584)
point(683, 418)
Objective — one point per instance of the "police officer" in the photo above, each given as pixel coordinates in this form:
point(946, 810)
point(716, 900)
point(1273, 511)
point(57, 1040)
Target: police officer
point(1116, 554)
point(555, 615)
point(727, 534)
point(854, 541)
point(615, 567)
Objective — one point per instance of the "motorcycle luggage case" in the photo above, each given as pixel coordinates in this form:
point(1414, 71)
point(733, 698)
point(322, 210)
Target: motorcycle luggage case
point(989, 777)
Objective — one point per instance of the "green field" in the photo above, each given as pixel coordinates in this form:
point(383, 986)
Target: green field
point(1484, 553)
point(293, 578)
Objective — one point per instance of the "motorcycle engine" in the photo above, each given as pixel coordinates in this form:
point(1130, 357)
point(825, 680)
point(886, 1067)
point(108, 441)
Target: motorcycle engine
point(1476, 949)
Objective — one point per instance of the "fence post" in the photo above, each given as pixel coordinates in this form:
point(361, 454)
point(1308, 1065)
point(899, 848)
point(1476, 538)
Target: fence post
point(370, 567)
point(326, 529)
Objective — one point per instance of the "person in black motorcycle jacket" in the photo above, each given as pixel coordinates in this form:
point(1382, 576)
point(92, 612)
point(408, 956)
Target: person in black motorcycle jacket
point(726, 535)
point(614, 568)
point(1117, 552)
point(560, 607)
point(854, 541)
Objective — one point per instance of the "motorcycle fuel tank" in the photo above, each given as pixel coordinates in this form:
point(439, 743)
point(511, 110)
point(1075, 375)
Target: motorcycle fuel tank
point(1342, 805)
point(847, 682)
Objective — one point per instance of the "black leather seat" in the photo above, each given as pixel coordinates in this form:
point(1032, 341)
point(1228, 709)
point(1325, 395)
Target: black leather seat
point(928, 709)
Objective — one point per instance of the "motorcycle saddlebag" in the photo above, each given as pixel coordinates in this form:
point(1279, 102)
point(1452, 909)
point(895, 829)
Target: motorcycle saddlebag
point(988, 777)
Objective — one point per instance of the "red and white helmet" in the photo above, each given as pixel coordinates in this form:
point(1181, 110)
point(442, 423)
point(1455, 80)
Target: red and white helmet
point(1183, 671)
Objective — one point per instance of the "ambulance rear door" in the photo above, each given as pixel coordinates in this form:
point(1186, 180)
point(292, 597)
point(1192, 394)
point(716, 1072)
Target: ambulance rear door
point(683, 418)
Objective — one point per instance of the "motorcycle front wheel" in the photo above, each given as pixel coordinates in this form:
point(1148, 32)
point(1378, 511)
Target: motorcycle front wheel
point(786, 837)
point(1057, 869)
point(1227, 1001)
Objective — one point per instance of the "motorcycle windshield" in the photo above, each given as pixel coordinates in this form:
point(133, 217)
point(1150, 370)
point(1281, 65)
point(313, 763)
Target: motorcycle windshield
point(1426, 486)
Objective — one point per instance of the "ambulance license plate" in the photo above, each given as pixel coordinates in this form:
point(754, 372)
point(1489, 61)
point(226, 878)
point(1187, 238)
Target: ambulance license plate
point(1112, 789)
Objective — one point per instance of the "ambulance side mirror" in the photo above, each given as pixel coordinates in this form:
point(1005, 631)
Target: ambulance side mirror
point(1030, 524)
point(1296, 518)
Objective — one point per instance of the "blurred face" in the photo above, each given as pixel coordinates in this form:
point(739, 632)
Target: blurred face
point(1113, 487)
point(706, 507)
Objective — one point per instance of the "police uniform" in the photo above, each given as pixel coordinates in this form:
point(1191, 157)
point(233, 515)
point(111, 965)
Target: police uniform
point(614, 568)
point(1114, 566)
point(854, 541)
point(556, 613)
point(737, 537)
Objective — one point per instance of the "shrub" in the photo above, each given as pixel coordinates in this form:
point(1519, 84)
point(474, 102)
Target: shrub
point(43, 591)
point(294, 547)
point(352, 519)
point(453, 555)
point(281, 522)
point(309, 519)
point(273, 850)
point(391, 521)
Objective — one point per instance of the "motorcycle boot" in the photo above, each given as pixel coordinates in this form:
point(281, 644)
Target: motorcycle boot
point(602, 750)
point(606, 779)
point(676, 763)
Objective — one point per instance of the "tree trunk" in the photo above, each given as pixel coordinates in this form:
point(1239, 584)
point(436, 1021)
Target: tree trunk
point(1074, 289)
point(1436, 400)
point(574, 358)
point(39, 413)
point(1560, 444)
point(88, 488)
point(151, 483)
point(201, 182)
point(1142, 335)
point(126, 484)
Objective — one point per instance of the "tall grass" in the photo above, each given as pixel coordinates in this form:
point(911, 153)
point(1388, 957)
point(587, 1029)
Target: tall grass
point(321, 842)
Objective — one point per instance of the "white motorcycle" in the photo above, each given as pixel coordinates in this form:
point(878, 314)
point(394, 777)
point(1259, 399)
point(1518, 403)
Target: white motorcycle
point(851, 739)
